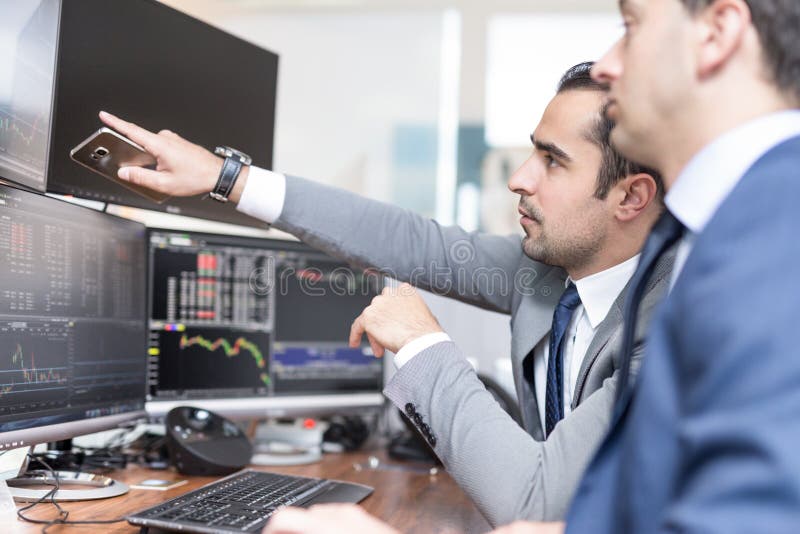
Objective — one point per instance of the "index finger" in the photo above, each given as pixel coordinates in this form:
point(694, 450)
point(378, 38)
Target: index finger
point(150, 141)
point(357, 331)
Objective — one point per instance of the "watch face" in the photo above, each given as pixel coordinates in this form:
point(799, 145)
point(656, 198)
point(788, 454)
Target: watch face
point(232, 152)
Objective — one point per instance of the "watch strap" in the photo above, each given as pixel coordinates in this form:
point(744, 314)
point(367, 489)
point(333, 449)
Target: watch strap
point(231, 168)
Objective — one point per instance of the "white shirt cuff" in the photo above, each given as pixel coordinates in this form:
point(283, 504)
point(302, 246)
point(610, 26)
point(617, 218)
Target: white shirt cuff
point(409, 350)
point(263, 195)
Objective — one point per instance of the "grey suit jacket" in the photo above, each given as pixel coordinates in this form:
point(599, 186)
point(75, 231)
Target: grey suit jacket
point(510, 472)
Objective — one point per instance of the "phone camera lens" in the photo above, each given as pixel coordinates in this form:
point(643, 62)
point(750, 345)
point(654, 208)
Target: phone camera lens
point(101, 151)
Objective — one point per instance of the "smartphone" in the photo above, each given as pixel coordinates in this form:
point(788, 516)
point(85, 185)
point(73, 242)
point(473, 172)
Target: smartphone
point(105, 151)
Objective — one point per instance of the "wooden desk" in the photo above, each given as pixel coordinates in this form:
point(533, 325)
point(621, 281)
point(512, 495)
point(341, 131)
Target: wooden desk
point(409, 501)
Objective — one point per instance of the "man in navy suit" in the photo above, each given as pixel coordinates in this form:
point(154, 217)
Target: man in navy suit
point(706, 91)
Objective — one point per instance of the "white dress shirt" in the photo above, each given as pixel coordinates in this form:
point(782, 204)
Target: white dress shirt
point(598, 293)
point(712, 173)
point(263, 195)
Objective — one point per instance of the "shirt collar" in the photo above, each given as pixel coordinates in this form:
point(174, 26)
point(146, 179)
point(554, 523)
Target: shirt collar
point(599, 291)
point(713, 172)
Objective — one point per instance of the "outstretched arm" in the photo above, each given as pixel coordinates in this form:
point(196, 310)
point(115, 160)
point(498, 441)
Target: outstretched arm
point(472, 267)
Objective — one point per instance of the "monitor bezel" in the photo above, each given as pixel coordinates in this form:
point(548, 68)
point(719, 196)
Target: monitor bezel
point(28, 437)
point(245, 408)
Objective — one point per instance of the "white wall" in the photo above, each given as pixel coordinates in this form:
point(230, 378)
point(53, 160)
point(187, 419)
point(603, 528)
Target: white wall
point(345, 82)
point(526, 57)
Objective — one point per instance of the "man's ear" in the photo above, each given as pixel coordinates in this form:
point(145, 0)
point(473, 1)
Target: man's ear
point(635, 193)
point(721, 28)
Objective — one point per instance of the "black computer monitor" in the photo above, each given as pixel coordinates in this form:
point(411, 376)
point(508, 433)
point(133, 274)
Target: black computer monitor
point(28, 35)
point(72, 319)
point(254, 327)
point(160, 68)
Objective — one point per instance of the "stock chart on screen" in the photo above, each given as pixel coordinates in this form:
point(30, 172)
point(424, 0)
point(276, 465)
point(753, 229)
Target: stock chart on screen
point(71, 311)
point(318, 298)
point(234, 316)
point(199, 359)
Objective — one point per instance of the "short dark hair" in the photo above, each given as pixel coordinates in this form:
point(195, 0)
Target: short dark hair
point(613, 167)
point(777, 23)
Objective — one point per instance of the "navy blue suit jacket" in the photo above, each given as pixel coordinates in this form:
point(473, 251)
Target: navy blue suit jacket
point(711, 440)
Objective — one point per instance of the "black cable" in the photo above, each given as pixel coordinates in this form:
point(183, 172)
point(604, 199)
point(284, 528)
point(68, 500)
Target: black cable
point(100, 463)
point(63, 515)
point(99, 460)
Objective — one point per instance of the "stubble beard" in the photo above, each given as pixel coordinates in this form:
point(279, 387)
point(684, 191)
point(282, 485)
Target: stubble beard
point(570, 254)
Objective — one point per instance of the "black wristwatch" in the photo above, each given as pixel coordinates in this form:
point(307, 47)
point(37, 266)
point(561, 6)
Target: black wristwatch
point(231, 167)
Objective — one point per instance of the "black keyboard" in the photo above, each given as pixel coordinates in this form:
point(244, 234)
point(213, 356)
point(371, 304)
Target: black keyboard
point(244, 501)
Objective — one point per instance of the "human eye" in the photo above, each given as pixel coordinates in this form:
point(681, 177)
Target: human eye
point(549, 161)
point(628, 27)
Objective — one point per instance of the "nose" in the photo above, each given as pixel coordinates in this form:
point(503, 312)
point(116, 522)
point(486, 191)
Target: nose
point(609, 67)
point(525, 180)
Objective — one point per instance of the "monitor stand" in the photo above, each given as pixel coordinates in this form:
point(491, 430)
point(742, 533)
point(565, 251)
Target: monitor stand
point(27, 487)
point(93, 486)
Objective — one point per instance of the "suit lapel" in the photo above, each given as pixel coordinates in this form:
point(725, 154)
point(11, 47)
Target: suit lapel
point(606, 330)
point(531, 323)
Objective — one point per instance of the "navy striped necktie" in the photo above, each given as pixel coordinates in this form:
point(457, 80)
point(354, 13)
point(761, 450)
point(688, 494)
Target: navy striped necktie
point(554, 394)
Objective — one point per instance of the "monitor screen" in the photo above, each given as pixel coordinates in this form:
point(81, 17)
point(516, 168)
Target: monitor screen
point(28, 36)
point(235, 317)
point(72, 319)
point(161, 69)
